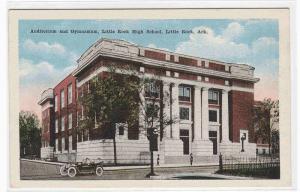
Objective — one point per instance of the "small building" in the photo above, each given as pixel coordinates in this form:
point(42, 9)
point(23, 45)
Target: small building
point(213, 99)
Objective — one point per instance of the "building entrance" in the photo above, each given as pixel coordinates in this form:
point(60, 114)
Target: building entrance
point(184, 136)
point(214, 138)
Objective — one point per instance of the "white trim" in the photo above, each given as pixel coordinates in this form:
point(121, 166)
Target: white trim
point(47, 105)
point(168, 73)
point(168, 57)
point(173, 80)
point(142, 69)
point(167, 65)
point(176, 74)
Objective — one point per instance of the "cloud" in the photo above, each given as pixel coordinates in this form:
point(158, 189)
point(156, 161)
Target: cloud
point(213, 46)
point(233, 31)
point(36, 77)
point(44, 47)
point(262, 53)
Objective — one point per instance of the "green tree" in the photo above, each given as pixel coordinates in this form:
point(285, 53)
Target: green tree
point(111, 99)
point(30, 134)
point(264, 121)
point(116, 98)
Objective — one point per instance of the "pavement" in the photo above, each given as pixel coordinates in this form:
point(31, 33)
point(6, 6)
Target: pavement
point(42, 170)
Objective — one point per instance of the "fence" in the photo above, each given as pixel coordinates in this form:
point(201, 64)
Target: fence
point(250, 166)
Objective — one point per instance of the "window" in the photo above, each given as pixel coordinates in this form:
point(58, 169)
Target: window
point(213, 97)
point(70, 94)
point(62, 124)
point(152, 90)
point(213, 116)
point(55, 103)
point(121, 130)
point(62, 99)
point(70, 121)
point(184, 93)
point(184, 113)
point(56, 126)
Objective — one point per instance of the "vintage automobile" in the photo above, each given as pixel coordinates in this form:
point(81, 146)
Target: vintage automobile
point(87, 166)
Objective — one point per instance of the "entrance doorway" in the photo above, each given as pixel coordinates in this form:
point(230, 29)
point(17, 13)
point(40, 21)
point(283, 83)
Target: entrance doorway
point(214, 138)
point(184, 136)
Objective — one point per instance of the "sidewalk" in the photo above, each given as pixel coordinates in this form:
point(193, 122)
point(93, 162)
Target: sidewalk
point(112, 168)
point(198, 175)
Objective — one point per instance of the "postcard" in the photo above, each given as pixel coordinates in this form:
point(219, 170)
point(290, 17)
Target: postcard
point(150, 98)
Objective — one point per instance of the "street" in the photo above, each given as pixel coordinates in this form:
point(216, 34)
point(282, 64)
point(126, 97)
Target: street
point(44, 171)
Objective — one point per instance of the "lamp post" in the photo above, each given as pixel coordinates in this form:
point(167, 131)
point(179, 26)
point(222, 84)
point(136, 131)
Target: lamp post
point(243, 138)
point(152, 135)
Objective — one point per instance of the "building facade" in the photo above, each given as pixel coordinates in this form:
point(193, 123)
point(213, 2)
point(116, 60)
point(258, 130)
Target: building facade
point(212, 99)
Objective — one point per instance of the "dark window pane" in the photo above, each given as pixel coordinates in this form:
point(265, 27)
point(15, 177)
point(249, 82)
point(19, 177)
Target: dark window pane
point(212, 134)
point(121, 130)
point(213, 116)
point(184, 132)
point(184, 113)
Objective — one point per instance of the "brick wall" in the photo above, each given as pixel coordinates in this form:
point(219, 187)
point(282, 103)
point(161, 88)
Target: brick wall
point(241, 114)
point(240, 83)
point(217, 67)
point(155, 55)
point(66, 110)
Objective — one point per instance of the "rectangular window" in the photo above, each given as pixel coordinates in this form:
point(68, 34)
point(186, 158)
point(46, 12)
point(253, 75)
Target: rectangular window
point(121, 130)
point(152, 90)
point(55, 103)
point(70, 121)
point(213, 116)
point(213, 97)
point(56, 126)
point(184, 113)
point(62, 99)
point(70, 94)
point(184, 93)
point(62, 124)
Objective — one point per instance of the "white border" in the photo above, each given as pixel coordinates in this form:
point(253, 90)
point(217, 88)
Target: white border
point(134, 4)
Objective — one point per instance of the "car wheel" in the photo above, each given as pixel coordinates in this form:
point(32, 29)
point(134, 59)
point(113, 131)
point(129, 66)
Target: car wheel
point(99, 171)
point(72, 172)
point(63, 170)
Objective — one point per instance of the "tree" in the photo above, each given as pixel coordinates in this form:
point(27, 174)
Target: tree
point(30, 134)
point(118, 96)
point(112, 99)
point(264, 121)
point(152, 110)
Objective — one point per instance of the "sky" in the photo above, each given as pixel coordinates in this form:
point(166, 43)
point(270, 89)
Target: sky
point(45, 58)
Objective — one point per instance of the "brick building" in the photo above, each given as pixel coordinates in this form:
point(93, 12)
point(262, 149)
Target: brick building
point(213, 99)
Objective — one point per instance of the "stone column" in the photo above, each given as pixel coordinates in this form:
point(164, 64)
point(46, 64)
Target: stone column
point(166, 109)
point(225, 121)
point(205, 113)
point(175, 111)
point(142, 130)
point(197, 113)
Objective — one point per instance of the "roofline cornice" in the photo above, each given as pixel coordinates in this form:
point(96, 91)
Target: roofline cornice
point(163, 64)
